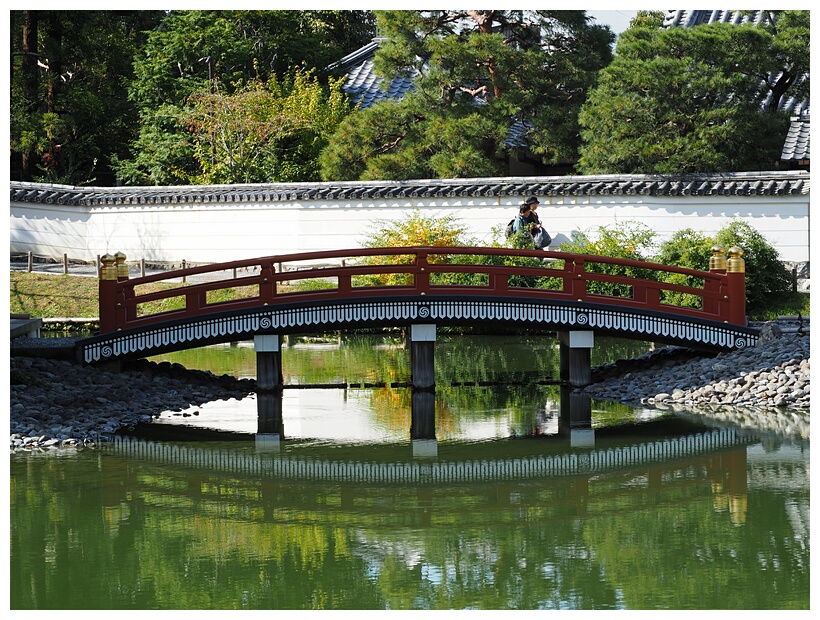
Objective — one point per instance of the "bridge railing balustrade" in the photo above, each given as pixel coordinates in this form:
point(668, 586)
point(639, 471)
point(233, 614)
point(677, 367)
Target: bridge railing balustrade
point(462, 271)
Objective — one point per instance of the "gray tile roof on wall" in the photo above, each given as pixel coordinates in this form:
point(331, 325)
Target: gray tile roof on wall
point(723, 184)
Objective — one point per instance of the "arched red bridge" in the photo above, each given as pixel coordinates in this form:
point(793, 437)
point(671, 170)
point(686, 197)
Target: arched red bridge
point(374, 287)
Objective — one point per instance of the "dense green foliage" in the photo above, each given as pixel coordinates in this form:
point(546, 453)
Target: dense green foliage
point(766, 275)
point(102, 93)
point(683, 100)
point(628, 239)
point(107, 97)
point(478, 73)
point(220, 58)
point(269, 132)
point(68, 111)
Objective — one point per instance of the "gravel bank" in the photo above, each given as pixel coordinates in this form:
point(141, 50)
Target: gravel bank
point(57, 403)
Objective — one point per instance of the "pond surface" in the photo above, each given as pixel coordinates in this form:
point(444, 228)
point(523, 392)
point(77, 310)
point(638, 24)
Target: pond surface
point(526, 498)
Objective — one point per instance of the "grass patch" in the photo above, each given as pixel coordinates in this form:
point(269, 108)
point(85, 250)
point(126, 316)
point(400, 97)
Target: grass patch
point(788, 304)
point(48, 296)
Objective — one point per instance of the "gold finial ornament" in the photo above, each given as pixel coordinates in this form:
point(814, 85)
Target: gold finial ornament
point(735, 264)
point(122, 268)
point(717, 262)
point(108, 271)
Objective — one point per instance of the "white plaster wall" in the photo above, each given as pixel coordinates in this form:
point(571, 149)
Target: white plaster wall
point(216, 232)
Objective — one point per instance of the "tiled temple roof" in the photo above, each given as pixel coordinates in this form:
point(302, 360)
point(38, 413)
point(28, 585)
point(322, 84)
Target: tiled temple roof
point(363, 85)
point(365, 88)
point(725, 184)
point(796, 146)
point(687, 18)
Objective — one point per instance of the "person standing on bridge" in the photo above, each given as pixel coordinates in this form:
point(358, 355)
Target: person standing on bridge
point(521, 224)
point(540, 237)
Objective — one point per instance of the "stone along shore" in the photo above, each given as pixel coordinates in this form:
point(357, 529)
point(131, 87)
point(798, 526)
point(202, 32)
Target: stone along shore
point(58, 403)
point(765, 387)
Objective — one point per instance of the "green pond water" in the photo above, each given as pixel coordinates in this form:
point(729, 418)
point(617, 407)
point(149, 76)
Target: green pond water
point(524, 497)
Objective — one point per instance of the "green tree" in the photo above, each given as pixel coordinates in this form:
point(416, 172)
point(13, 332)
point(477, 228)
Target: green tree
point(69, 71)
point(264, 132)
point(479, 73)
point(701, 99)
point(222, 52)
point(686, 248)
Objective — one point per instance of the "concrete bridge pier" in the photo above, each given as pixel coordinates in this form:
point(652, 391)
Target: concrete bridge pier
point(574, 360)
point(422, 356)
point(268, 362)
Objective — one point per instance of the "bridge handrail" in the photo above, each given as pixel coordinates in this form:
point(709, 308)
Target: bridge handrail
point(722, 293)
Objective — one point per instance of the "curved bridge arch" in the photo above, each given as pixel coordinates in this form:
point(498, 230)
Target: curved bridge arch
point(315, 316)
point(417, 286)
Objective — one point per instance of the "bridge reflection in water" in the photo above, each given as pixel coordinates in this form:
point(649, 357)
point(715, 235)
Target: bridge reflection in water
point(658, 454)
point(716, 457)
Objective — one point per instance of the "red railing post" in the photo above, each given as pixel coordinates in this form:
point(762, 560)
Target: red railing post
point(268, 282)
point(499, 282)
point(344, 281)
point(578, 286)
point(717, 265)
point(736, 284)
point(421, 278)
point(108, 294)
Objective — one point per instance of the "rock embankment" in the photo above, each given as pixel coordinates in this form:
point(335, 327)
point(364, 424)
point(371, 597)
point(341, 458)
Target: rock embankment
point(767, 386)
point(58, 403)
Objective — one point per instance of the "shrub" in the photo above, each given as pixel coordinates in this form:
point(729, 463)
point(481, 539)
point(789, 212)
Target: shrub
point(627, 239)
point(766, 275)
point(416, 230)
point(686, 248)
point(412, 230)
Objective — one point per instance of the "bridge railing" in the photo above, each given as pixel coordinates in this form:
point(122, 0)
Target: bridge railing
point(461, 271)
